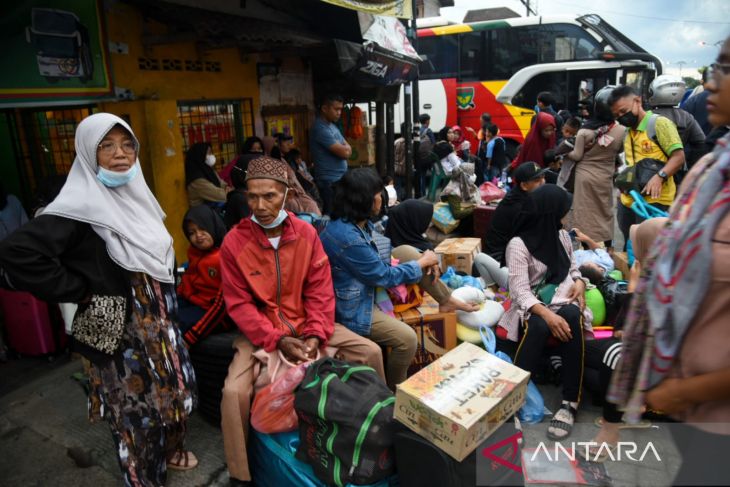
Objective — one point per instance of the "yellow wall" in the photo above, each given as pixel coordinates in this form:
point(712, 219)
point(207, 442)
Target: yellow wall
point(153, 114)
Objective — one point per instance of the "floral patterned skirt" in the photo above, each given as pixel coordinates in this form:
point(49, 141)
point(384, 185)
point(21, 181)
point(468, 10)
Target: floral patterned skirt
point(150, 380)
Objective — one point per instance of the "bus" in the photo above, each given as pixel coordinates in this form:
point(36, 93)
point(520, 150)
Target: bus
point(499, 67)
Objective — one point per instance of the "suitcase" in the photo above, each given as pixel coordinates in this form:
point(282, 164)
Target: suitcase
point(419, 462)
point(27, 323)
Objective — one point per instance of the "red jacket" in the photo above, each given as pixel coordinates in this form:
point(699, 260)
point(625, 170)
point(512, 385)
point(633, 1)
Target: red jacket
point(202, 279)
point(271, 293)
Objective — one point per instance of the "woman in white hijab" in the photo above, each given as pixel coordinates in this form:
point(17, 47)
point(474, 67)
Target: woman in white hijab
point(102, 244)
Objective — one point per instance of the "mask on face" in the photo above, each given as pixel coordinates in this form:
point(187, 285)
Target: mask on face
point(210, 160)
point(472, 178)
point(113, 179)
point(537, 108)
point(279, 218)
point(628, 119)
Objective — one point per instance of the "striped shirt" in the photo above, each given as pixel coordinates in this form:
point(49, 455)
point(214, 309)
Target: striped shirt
point(525, 273)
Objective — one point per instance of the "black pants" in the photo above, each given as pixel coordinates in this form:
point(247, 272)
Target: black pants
point(704, 456)
point(603, 355)
point(626, 218)
point(326, 192)
point(534, 336)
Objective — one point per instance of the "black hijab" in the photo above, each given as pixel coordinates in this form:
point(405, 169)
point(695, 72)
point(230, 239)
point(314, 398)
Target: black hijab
point(502, 227)
point(204, 217)
point(539, 225)
point(195, 166)
point(407, 221)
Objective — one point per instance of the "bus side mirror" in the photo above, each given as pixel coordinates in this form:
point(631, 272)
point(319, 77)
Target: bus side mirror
point(28, 35)
point(78, 39)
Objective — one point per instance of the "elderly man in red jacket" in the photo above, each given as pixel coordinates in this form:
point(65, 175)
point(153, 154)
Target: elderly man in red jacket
point(278, 289)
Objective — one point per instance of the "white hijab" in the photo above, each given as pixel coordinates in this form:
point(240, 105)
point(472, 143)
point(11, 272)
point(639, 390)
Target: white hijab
point(128, 217)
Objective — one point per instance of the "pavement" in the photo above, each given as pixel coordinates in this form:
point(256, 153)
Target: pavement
point(46, 439)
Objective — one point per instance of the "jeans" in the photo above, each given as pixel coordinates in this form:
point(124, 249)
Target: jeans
point(491, 271)
point(492, 172)
point(626, 218)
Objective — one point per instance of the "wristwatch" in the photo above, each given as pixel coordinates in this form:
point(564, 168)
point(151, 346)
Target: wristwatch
point(662, 174)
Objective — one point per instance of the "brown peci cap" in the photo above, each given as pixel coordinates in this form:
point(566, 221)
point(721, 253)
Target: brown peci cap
point(266, 167)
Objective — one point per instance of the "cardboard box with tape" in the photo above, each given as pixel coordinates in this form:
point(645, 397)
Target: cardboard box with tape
point(460, 399)
point(458, 253)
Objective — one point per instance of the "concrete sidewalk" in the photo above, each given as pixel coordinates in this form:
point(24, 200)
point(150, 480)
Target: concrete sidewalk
point(46, 440)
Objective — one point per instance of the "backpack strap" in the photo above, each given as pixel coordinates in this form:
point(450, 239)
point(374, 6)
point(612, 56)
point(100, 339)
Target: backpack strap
point(651, 132)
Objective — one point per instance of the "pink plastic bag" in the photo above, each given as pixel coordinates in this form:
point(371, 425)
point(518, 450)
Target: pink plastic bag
point(490, 192)
point(273, 406)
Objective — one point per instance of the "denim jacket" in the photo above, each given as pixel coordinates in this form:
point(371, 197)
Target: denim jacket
point(357, 270)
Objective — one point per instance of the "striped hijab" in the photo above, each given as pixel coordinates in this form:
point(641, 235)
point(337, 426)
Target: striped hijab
point(674, 283)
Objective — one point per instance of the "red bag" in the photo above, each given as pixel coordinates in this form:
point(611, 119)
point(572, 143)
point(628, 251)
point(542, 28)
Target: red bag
point(273, 406)
point(490, 192)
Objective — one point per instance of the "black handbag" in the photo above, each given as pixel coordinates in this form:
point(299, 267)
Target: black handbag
point(636, 177)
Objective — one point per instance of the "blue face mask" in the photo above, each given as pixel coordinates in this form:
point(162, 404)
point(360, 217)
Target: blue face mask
point(537, 108)
point(277, 221)
point(113, 179)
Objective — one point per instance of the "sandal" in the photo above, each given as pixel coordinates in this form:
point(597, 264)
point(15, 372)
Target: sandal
point(182, 460)
point(558, 424)
point(642, 424)
point(599, 453)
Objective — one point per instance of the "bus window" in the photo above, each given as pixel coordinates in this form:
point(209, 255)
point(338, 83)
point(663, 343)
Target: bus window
point(583, 84)
point(509, 50)
point(554, 82)
point(440, 57)
point(567, 42)
point(471, 56)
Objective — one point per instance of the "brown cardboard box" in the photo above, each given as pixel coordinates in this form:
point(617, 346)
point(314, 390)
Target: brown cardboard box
point(461, 399)
point(436, 332)
point(621, 262)
point(458, 253)
point(363, 149)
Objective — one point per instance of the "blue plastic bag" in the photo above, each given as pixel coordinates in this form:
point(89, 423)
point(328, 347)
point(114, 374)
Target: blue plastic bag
point(533, 411)
point(455, 281)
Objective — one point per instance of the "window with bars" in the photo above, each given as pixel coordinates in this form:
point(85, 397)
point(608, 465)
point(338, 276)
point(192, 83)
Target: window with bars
point(224, 124)
point(43, 142)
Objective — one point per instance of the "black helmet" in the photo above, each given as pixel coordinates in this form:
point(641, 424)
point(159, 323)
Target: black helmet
point(602, 104)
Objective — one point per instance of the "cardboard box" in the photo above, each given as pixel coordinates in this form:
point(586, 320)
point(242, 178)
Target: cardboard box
point(621, 262)
point(436, 332)
point(458, 253)
point(363, 149)
point(460, 399)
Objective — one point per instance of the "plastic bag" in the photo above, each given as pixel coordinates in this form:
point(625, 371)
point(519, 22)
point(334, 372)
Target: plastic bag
point(534, 408)
point(490, 192)
point(273, 406)
point(455, 281)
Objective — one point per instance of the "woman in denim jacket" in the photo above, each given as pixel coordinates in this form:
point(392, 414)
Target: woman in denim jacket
point(358, 268)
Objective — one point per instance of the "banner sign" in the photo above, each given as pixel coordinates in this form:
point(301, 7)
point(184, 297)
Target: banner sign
point(54, 52)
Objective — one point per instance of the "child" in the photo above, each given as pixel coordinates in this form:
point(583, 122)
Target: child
point(570, 129)
point(390, 189)
point(201, 282)
point(495, 153)
point(552, 163)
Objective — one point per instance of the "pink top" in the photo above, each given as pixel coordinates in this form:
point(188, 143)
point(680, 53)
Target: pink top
point(526, 272)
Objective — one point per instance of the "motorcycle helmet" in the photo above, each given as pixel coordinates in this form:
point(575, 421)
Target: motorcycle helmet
point(666, 91)
point(602, 104)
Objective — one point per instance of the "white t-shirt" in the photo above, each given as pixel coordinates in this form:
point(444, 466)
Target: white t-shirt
point(275, 241)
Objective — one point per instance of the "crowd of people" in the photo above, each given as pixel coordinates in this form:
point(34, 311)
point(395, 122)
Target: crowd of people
point(290, 256)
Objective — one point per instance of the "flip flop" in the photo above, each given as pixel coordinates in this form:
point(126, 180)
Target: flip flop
point(642, 424)
point(181, 460)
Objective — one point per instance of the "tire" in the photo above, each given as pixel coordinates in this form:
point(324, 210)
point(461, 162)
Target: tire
point(211, 358)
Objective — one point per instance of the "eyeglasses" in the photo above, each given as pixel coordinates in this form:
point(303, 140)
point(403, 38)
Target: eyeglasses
point(108, 148)
point(719, 68)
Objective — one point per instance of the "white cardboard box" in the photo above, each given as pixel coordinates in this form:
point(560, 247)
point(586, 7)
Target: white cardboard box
point(460, 399)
